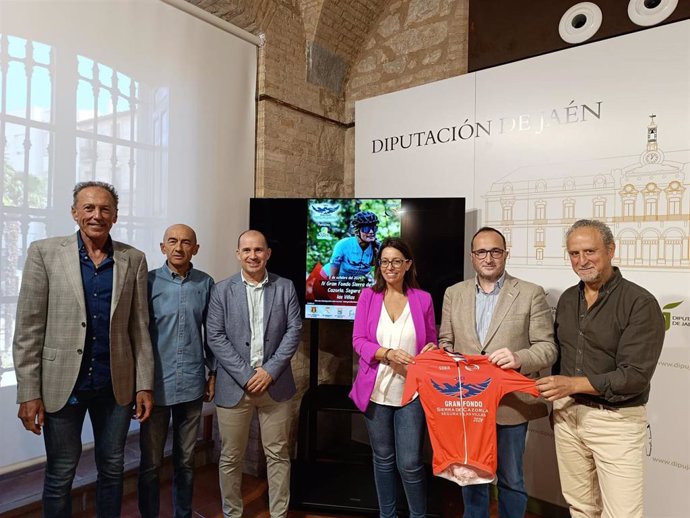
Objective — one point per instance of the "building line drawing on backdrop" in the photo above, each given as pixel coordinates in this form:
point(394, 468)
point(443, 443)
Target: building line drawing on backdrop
point(646, 203)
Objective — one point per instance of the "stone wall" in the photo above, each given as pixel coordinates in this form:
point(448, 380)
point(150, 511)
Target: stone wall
point(414, 42)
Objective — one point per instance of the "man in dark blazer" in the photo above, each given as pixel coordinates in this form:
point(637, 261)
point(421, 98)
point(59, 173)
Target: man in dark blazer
point(81, 344)
point(254, 328)
point(509, 320)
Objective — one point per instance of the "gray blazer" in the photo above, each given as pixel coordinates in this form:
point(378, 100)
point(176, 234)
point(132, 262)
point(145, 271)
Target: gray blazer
point(51, 323)
point(522, 322)
point(229, 337)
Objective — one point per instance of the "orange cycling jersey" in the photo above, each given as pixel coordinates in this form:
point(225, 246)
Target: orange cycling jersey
point(460, 395)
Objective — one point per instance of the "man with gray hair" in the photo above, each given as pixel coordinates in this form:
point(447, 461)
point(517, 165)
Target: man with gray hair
point(81, 344)
point(609, 332)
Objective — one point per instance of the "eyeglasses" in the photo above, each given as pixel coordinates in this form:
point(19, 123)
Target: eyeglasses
point(496, 253)
point(395, 263)
point(367, 229)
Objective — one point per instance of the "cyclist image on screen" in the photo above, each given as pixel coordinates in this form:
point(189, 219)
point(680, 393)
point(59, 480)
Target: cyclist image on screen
point(354, 256)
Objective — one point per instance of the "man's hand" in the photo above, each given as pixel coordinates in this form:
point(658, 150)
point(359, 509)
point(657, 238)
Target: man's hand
point(258, 384)
point(210, 390)
point(557, 387)
point(32, 413)
point(505, 359)
point(144, 405)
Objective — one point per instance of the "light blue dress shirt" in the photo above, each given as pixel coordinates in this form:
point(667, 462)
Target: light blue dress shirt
point(177, 311)
point(255, 304)
point(485, 305)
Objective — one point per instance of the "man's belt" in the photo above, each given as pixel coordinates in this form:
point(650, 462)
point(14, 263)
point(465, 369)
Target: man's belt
point(593, 404)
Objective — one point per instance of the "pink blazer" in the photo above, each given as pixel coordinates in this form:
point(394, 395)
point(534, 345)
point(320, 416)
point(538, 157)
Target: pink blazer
point(364, 336)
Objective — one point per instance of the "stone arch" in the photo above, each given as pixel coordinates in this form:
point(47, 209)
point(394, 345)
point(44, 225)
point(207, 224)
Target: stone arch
point(250, 15)
point(341, 26)
point(335, 32)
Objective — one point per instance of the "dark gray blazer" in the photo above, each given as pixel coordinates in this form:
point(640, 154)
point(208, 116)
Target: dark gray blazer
point(229, 337)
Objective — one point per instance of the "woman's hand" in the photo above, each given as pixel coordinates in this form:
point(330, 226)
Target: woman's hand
point(399, 357)
point(428, 347)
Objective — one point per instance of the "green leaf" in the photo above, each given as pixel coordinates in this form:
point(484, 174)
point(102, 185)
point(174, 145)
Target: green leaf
point(673, 305)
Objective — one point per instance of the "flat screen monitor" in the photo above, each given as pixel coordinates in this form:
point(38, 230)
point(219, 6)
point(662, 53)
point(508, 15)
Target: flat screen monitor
point(328, 246)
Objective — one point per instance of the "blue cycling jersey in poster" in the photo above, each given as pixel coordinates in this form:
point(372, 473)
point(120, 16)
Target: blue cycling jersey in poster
point(350, 259)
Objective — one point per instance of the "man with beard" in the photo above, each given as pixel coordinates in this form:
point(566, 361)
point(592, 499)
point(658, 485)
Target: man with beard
point(508, 319)
point(610, 332)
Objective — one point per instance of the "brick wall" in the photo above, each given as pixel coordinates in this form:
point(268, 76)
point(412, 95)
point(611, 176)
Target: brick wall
point(298, 154)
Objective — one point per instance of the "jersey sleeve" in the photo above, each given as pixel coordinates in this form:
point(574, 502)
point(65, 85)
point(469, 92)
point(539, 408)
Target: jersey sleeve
point(411, 382)
point(513, 381)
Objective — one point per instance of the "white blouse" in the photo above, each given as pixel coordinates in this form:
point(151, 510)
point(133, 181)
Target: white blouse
point(400, 334)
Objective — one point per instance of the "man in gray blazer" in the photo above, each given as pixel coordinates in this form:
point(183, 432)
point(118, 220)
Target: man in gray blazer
point(253, 328)
point(81, 344)
point(510, 320)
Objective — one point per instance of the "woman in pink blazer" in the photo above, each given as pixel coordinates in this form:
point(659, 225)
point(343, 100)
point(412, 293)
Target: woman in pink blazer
point(394, 321)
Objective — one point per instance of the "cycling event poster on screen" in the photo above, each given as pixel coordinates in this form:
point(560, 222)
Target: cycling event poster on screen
point(343, 240)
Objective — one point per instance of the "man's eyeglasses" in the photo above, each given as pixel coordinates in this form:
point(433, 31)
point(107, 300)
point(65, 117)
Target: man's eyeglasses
point(395, 263)
point(367, 229)
point(496, 253)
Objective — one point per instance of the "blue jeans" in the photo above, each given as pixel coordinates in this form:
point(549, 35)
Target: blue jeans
point(396, 435)
point(185, 418)
point(512, 497)
point(62, 435)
